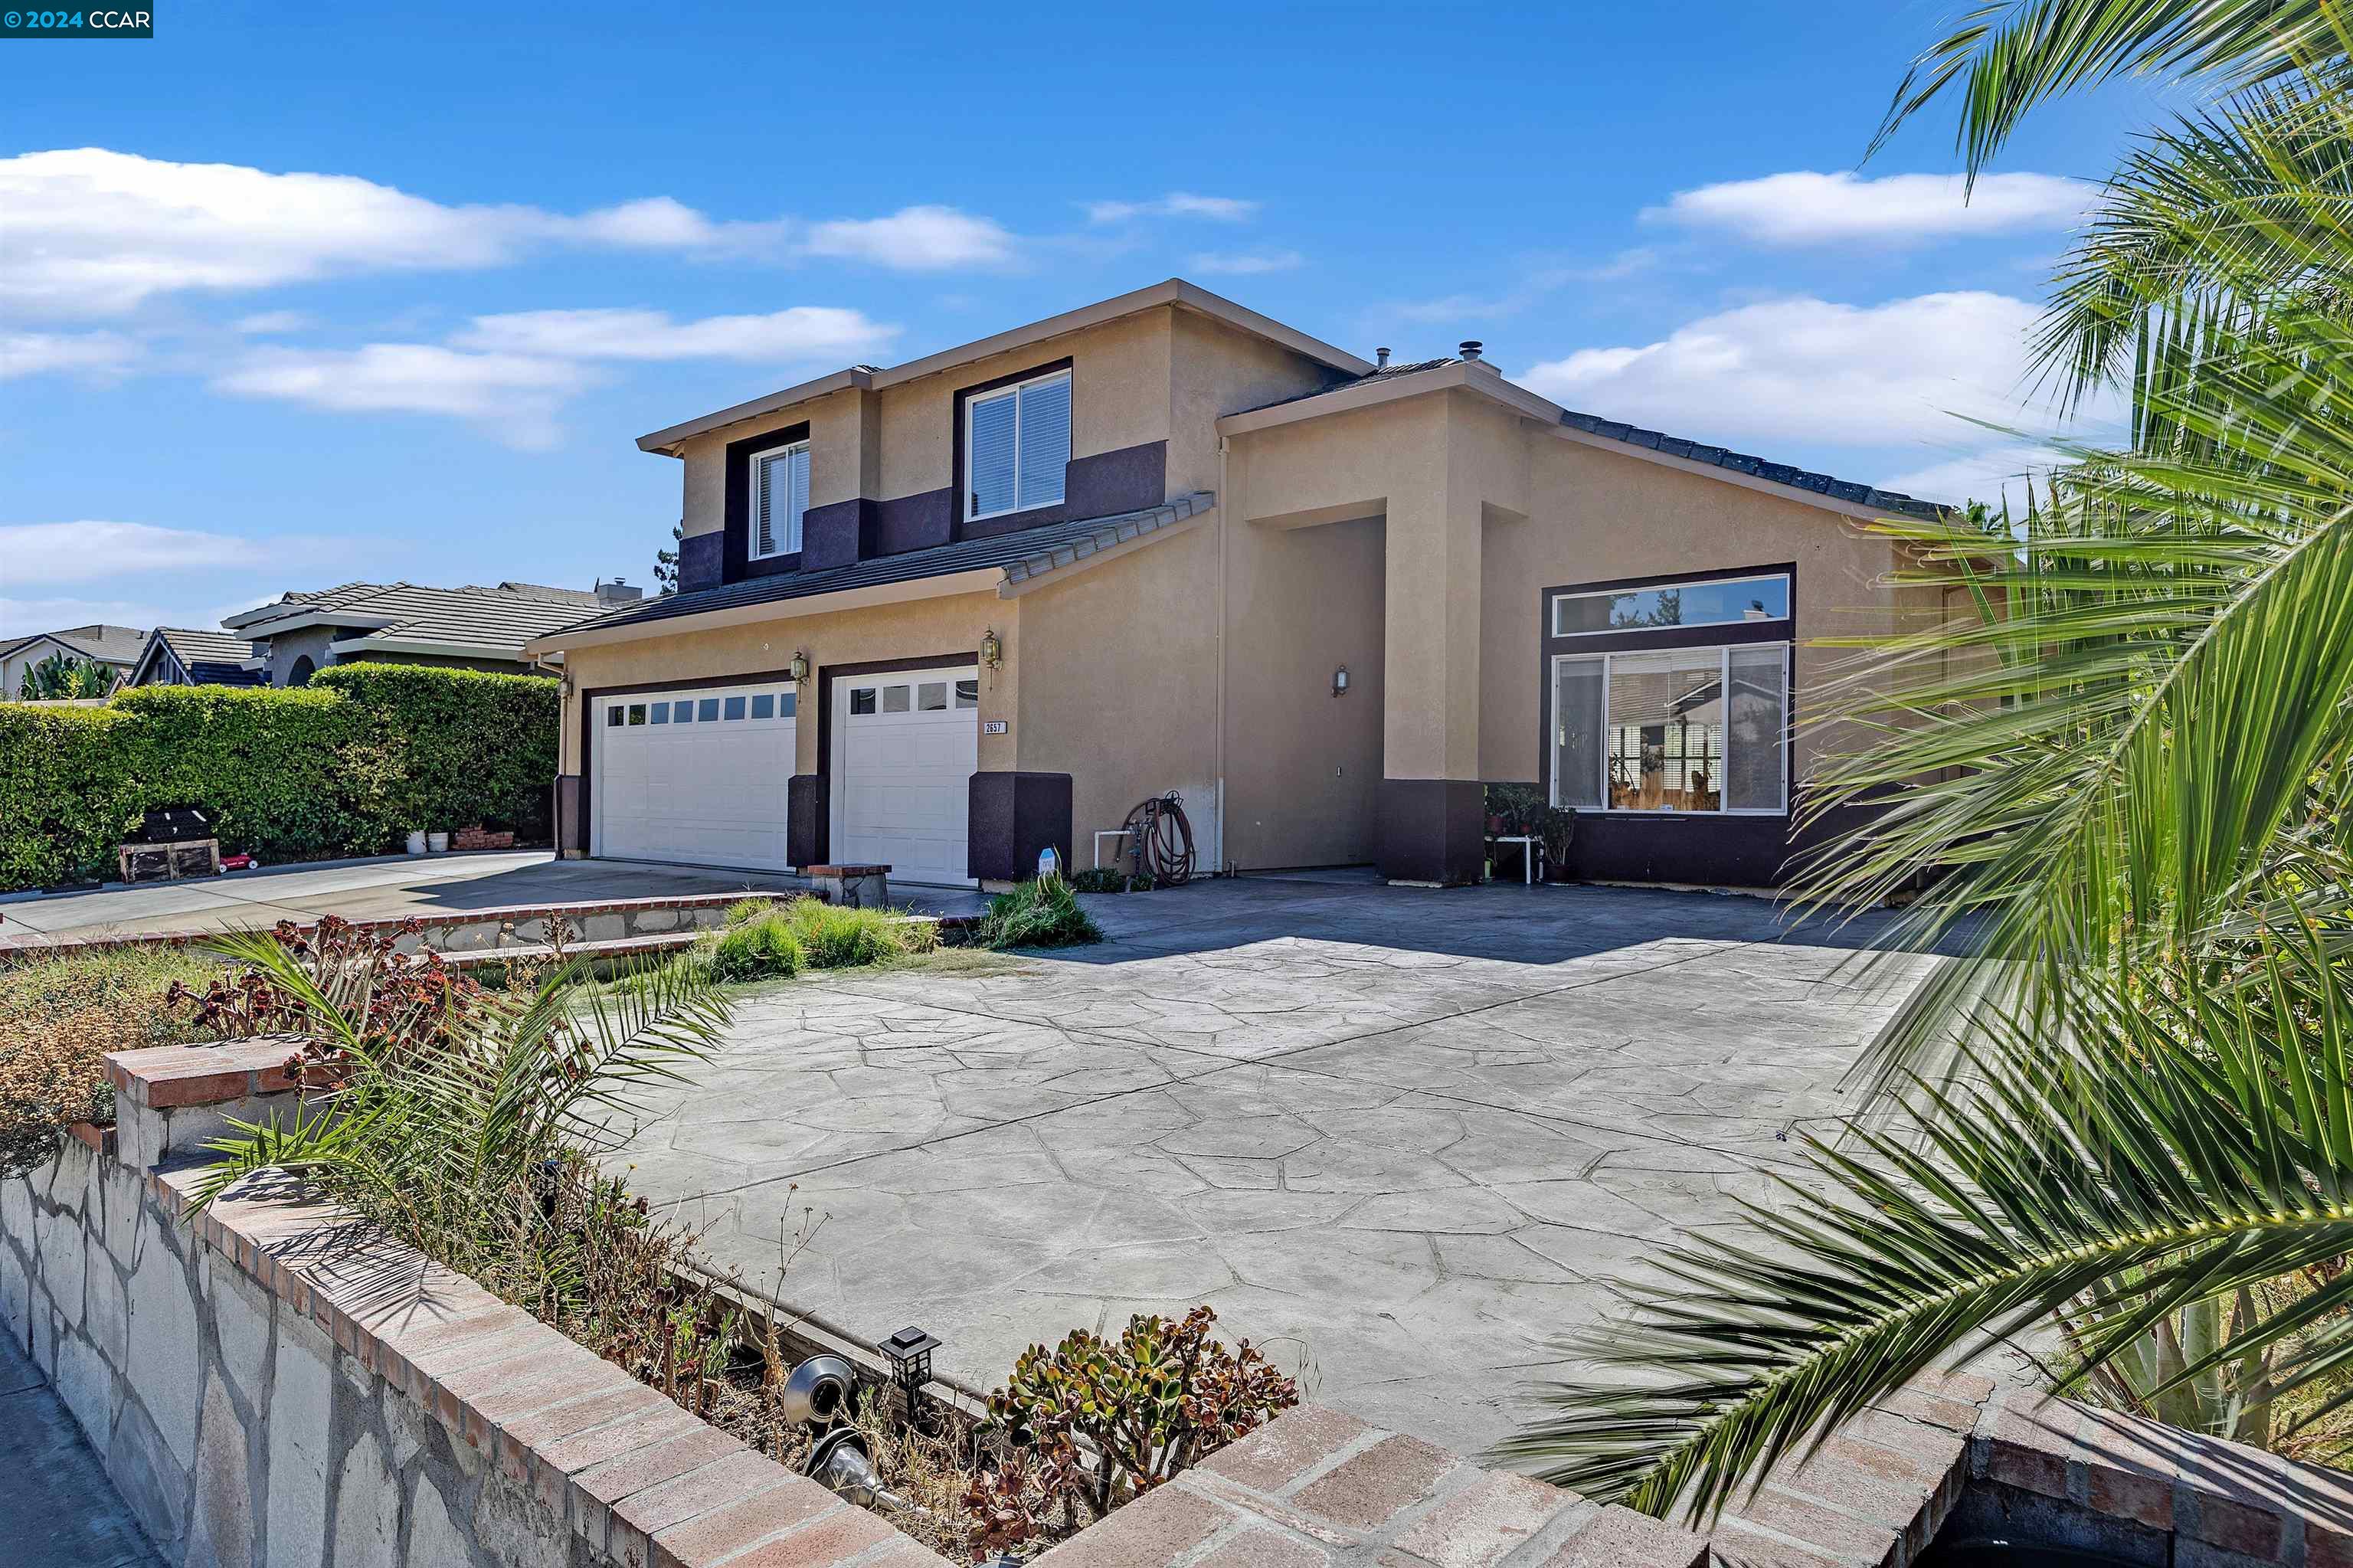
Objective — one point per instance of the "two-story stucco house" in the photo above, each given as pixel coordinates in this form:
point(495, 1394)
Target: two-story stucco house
point(942, 614)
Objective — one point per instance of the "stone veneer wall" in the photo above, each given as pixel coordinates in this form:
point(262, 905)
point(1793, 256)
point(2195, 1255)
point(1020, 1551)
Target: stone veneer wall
point(268, 1383)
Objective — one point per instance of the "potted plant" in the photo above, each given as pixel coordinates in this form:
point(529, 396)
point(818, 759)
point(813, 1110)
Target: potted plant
point(416, 841)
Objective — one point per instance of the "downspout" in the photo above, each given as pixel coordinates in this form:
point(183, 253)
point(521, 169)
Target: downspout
point(1225, 505)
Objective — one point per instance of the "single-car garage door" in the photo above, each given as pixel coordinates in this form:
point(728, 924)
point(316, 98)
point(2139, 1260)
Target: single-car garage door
point(905, 748)
point(696, 777)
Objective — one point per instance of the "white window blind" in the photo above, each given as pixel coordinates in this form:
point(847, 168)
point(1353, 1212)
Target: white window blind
point(780, 489)
point(1018, 446)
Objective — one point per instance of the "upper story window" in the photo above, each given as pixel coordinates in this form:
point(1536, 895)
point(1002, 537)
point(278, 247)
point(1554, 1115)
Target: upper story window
point(1017, 444)
point(1727, 600)
point(780, 490)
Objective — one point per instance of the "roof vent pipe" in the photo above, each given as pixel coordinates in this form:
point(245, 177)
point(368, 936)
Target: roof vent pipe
point(1380, 359)
point(1471, 347)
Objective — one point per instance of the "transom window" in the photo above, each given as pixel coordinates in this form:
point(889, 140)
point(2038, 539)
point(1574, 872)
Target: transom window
point(1724, 601)
point(780, 492)
point(1673, 729)
point(1017, 446)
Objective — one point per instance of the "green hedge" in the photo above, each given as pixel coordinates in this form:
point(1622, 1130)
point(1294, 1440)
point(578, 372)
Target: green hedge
point(344, 767)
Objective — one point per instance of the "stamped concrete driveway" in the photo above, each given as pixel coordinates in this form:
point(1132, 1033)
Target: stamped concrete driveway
point(1402, 1136)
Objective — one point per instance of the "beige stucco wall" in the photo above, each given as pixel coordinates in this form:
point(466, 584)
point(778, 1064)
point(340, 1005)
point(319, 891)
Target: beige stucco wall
point(946, 626)
point(1411, 541)
point(1600, 516)
point(900, 441)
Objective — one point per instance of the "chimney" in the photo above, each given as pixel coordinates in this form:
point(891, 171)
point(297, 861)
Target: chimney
point(617, 591)
point(1380, 359)
point(1471, 348)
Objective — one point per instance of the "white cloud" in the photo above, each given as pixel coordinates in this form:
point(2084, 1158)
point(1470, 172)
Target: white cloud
point(91, 352)
point(27, 617)
point(1811, 370)
point(271, 323)
point(1807, 208)
point(801, 332)
point(1175, 203)
point(512, 396)
point(89, 232)
point(1246, 263)
point(88, 550)
point(913, 239)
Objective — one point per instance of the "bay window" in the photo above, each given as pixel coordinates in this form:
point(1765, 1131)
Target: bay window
point(1654, 718)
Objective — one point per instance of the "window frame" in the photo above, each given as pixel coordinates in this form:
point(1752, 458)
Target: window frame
point(1722, 652)
point(753, 461)
point(972, 402)
point(1555, 597)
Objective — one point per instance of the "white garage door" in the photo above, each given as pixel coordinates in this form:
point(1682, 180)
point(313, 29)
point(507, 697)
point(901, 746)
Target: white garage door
point(695, 776)
point(906, 746)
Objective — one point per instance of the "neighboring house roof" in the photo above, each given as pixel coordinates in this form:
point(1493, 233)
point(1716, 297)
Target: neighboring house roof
point(207, 658)
point(867, 377)
point(1391, 379)
point(471, 623)
point(1021, 556)
point(107, 644)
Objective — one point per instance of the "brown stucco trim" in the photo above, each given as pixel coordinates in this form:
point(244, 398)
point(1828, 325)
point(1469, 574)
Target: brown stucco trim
point(735, 562)
point(585, 719)
point(1004, 522)
point(1431, 830)
point(1744, 849)
point(1011, 818)
point(825, 675)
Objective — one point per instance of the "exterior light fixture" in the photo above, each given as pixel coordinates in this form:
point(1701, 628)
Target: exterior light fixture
point(909, 1351)
point(992, 648)
point(797, 670)
point(1340, 682)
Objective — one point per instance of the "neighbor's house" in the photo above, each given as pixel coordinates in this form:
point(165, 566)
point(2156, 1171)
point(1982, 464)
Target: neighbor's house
point(116, 647)
point(185, 656)
point(402, 623)
point(1163, 542)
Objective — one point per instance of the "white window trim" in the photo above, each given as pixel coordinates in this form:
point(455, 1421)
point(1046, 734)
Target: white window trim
point(752, 550)
point(972, 406)
point(1560, 599)
point(1601, 759)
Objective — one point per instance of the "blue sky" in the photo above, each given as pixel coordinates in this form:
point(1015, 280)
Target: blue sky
point(288, 297)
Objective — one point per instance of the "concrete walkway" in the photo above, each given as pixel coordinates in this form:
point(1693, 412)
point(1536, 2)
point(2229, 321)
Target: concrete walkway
point(384, 889)
point(1404, 1138)
point(57, 1508)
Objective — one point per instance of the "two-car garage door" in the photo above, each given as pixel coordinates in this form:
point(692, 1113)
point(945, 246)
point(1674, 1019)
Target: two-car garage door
point(701, 777)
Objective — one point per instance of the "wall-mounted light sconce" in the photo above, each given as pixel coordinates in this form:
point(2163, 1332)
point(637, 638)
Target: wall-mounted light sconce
point(1340, 682)
point(797, 670)
point(992, 648)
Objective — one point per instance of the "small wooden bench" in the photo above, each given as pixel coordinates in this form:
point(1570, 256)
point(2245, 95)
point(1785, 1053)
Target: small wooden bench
point(852, 886)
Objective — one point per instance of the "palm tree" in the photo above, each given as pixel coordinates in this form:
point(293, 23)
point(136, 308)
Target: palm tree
point(454, 1117)
point(2126, 1109)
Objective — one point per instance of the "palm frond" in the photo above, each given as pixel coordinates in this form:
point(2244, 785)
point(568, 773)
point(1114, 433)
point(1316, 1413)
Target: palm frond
point(2177, 1154)
point(2214, 217)
point(2010, 56)
point(2113, 765)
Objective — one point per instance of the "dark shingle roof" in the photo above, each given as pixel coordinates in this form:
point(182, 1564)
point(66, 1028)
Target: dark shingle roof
point(109, 645)
point(1025, 554)
point(212, 658)
point(1847, 490)
point(482, 622)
